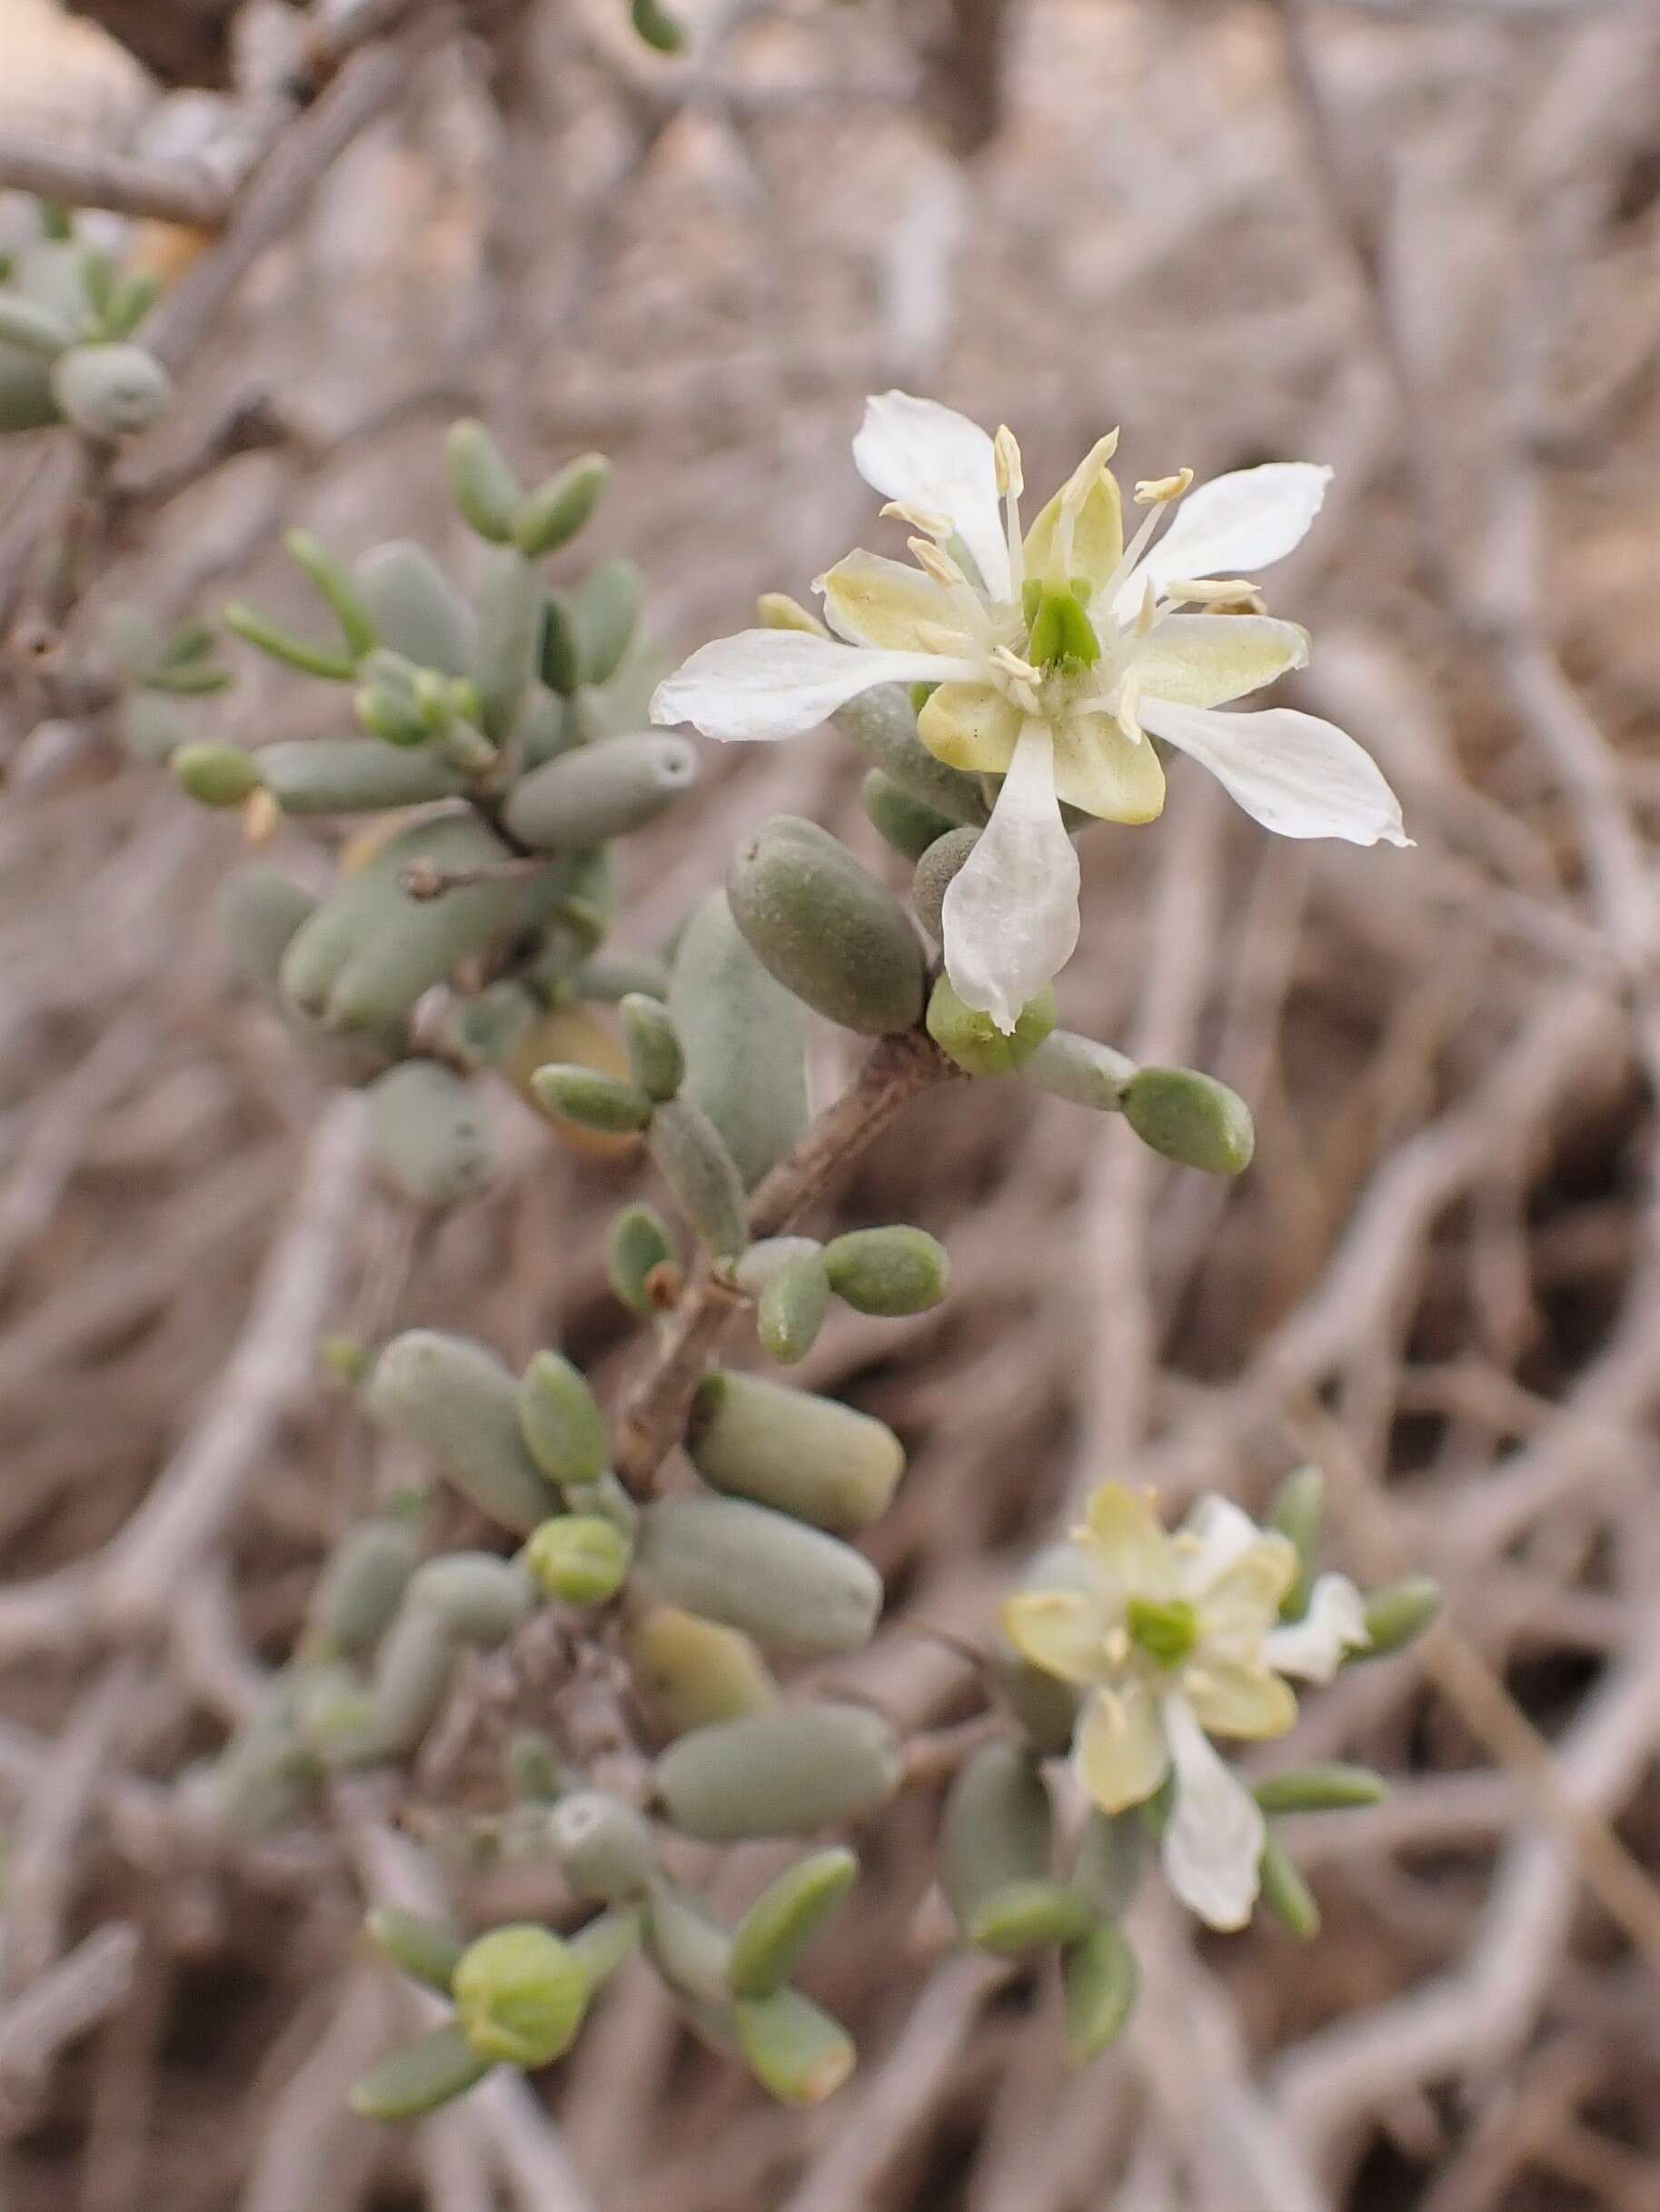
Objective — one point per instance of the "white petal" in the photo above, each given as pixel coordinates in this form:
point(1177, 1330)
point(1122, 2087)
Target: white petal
point(929, 456)
point(1313, 1647)
point(1011, 915)
point(1213, 1842)
point(776, 683)
point(1295, 774)
point(1232, 526)
point(1221, 1534)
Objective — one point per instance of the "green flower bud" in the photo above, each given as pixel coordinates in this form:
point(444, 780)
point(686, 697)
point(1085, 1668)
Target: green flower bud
point(794, 2049)
point(420, 2077)
point(591, 1100)
point(690, 1673)
point(338, 589)
point(996, 1830)
point(744, 1037)
point(559, 650)
point(784, 1583)
point(1081, 1071)
point(778, 1774)
point(358, 1591)
point(461, 1403)
point(482, 483)
point(520, 1996)
point(1333, 1787)
point(641, 1261)
point(417, 1948)
point(792, 1307)
point(604, 609)
point(510, 628)
point(600, 792)
point(561, 1422)
point(1397, 1615)
point(352, 776)
point(605, 1847)
point(479, 1599)
point(607, 1943)
point(546, 518)
point(1099, 1981)
point(581, 1558)
point(937, 871)
point(1107, 1868)
point(110, 392)
point(415, 609)
point(772, 1937)
point(215, 775)
point(427, 1133)
point(688, 1945)
point(1299, 1512)
point(687, 1152)
point(888, 1272)
point(1190, 1118)
point(654, 1052)
point(812, 1458)
point(400, 718)
point(827, 929)
point(907, 824)
point(259, 911)
point(882, 723)
point(974, 1040)
point(1285, 1894)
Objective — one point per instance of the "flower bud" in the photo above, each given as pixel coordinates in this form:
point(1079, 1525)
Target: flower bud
point(215, 775)
point(827, 929)
point(778, 1774)
point(353, 775)
point(546, 518)
point(482, 483)
point(1285, 1894)
point(589, 1099)
point(415, 609)
point(1398, 1613)
point(427, 1133)
point(604, 609)
point(809, 1457)
point(654, 1051)
point(460, 1401)
point(479, 1599)
point(1190, 1118)
point(770, 1939)
point(692, 1159)
point(1081, 1071)
point(888, 1272)
point(791, 1308)
point(640, 1260)
point(784, 1583)
point(600, 792)
point(996, 1830)
point(520, 1996)
point(690, 1673)
point(420, 2077)
point(510, 630)
point(110, 391)
point(561, 1422)
point(604, 1847)
point(418, 1949)
point(793, 2047)
point(1331, 1788)
point(974, 1040)
point(581, 1558)
point(1099, 1981)
point(744, 1038)
point(907, 823)
point(882, 723)
point(937, 871)
point(358, 1591)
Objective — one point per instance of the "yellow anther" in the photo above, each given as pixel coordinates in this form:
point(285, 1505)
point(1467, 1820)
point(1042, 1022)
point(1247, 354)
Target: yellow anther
point(924, 519)
point(1221, 594)
point(1154, 490)
point(1117, 1646)
point(1012, 665)
point(1146, 614)
point(260, 816)
point(1006, 454)
point(935, 563)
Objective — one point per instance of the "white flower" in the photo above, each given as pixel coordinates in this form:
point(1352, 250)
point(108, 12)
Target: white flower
point(1178, 1639)
point(1055, 653)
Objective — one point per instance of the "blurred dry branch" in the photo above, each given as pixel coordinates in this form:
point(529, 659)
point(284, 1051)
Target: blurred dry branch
point(1419, 241)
